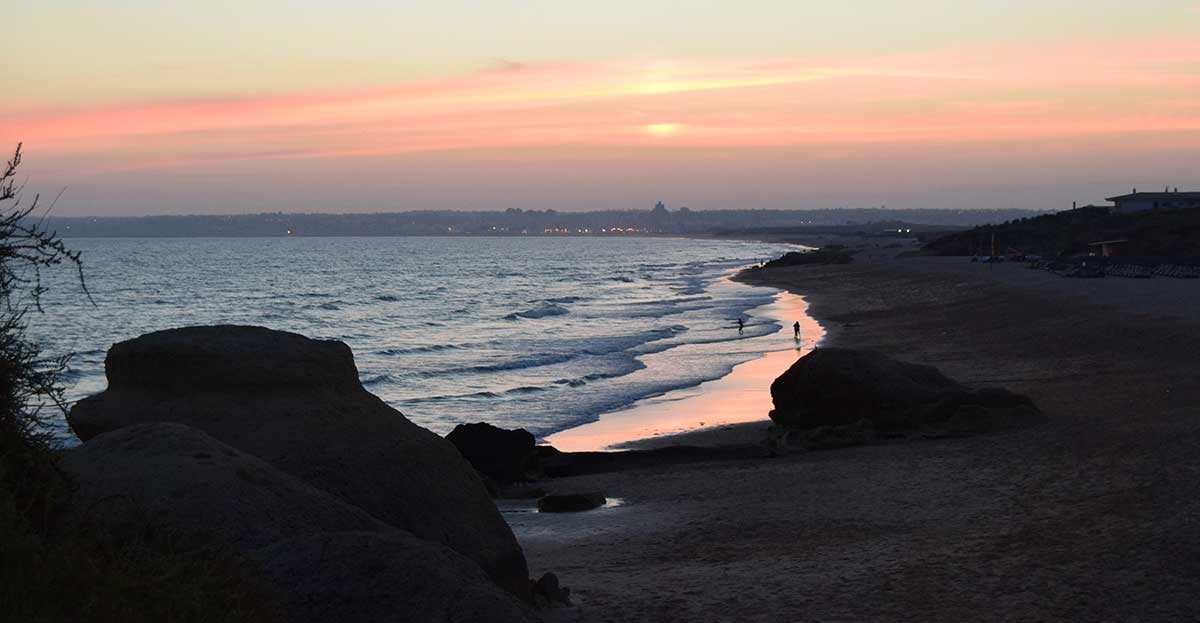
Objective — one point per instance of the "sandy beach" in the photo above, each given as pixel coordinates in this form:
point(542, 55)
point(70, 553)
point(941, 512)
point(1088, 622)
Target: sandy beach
point(1088, 515)
point(735, 398)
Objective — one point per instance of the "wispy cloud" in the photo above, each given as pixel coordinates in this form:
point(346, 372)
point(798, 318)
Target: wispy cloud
point(968, 95)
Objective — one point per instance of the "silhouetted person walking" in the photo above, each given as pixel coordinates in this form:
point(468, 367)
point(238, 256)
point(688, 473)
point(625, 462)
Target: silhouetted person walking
point(741, 325)
point(796, 329)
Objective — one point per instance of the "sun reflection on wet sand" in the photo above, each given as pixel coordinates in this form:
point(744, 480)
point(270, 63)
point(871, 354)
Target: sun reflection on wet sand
point(743, 395)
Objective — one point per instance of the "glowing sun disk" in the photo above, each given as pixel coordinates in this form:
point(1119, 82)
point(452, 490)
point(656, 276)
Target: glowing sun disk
point(662, 129)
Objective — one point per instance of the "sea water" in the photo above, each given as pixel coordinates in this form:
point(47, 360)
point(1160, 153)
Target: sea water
point(544, 333)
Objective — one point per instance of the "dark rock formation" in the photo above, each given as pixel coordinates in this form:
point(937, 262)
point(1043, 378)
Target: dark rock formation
point(503, 455)
point(570, 502)
point(297, 404)
point(385, 576)
point(324, 559)
point(178, 475)
point(553, 462)
point(843, 387)
point(548, 593)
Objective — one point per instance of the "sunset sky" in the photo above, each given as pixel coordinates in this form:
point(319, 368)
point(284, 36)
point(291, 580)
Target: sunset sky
point(160, 106)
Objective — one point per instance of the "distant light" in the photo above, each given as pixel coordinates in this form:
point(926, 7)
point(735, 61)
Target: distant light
point(289, 232)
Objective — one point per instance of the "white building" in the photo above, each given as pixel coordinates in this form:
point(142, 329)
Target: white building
point(1136, 202)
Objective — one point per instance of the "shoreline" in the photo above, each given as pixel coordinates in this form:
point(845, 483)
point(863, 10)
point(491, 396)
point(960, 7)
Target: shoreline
point(1086, 516)
point(742, 395)
point(670, 419)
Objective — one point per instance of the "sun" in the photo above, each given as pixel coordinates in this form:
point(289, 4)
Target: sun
point(662, 129)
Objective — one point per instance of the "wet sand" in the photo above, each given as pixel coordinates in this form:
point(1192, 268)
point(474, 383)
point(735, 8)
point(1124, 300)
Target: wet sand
point(743, 395)
point(1092, 515)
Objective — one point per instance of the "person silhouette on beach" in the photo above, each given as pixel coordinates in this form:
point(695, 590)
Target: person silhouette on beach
point(741, 325)
point(796, 329)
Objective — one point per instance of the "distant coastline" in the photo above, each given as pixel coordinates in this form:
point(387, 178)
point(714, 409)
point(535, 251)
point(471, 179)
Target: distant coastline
point(681, 222)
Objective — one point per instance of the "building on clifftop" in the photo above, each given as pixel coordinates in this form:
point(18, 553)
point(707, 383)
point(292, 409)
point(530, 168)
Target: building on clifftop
point(1137, 202)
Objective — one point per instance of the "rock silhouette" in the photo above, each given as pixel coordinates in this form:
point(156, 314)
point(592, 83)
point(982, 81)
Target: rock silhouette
point(841, 387)
point(297, 404)
point(500, 454)
point(323, 558)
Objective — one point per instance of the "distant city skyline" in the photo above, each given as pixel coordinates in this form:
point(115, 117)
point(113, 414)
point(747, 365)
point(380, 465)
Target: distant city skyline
point(515, 222)
point(143, 107)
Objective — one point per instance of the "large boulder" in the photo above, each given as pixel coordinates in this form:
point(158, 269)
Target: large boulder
point(842, 387)
point(500, 454)
point(385, 576)
point(324, 559)
point(297, 404)
point(176, 476)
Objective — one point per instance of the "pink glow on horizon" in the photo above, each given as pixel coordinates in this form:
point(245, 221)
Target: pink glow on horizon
point(974, 95)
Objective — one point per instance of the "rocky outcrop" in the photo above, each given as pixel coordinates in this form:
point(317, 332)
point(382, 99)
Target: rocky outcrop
point(843, 387)
point(500, 454)
point(297, 404)
point(324, 559)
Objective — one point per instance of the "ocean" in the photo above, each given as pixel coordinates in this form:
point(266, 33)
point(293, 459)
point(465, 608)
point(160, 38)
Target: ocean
point(543, 333)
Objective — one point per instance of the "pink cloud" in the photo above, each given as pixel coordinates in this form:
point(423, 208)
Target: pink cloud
point(974, 95)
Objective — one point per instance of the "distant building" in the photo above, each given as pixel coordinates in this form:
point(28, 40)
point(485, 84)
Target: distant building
point(1137, 202)
point(660, 217)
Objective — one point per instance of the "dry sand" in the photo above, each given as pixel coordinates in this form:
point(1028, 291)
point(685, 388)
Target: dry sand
point(1091, 515)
